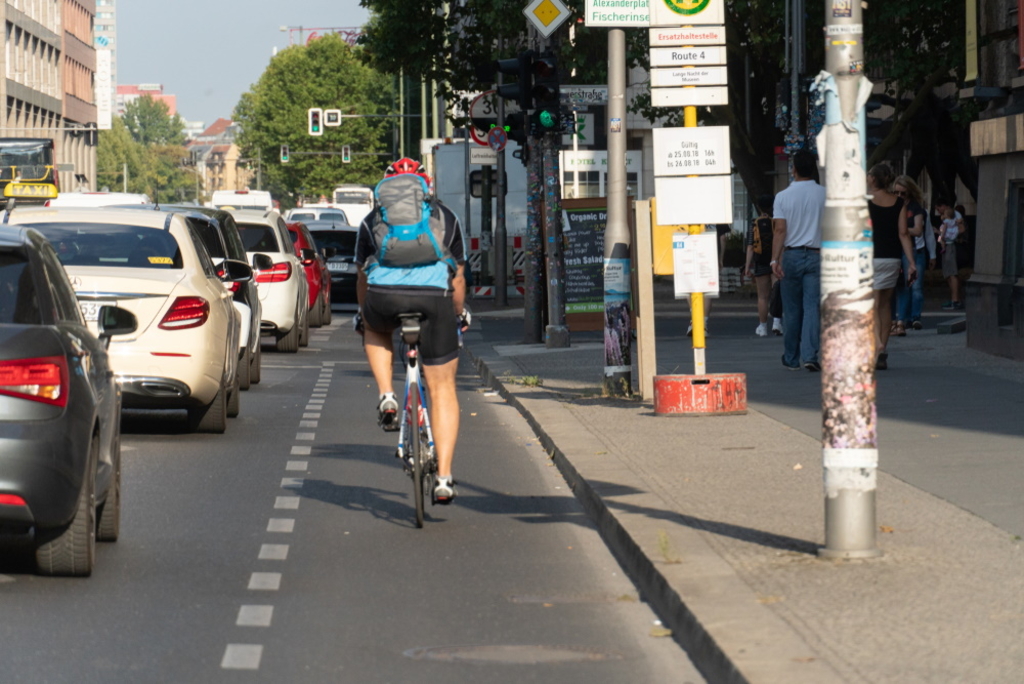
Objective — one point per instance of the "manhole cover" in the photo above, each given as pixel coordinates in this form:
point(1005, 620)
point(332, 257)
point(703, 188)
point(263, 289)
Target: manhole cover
point(525, 654)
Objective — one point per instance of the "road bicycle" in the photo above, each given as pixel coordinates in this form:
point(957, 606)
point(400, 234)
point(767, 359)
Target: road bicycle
point(415, 439)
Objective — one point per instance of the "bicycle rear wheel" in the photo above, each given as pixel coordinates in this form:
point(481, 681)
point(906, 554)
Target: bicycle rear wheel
point(416, 451)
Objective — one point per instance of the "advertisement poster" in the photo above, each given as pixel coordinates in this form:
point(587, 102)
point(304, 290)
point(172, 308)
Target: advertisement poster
point(618, 321)
point(583, 231)
point(695, 258)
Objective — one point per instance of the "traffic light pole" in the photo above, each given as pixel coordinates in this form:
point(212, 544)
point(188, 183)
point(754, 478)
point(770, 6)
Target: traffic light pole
point(533, 269)
point(618, 361)
point(556, 333)
point(500, 245)
point(849, 418)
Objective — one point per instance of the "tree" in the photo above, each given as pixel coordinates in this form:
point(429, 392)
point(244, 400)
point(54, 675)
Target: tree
point(117, 151)
point(326, 73)
point(157, 170)
point(150, 123)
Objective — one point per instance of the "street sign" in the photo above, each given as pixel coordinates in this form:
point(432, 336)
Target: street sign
point(687, 12)
point(690, 76)
point(485, 106)
point(584, 133)
point(616, 13)
point(699, 150)
point(332, 117)
point(690, 201)
point(686, 56)
point(497, 138)
point(583, 95)
point(483, 155)
point(546, 15)
point(687, 35)
point(709, 96)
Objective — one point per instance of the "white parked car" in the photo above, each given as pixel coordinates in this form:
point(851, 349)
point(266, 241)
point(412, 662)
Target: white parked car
point(242, 199)
point(317, 213)
point(97, 199)
point(184, 353)
point(283, 289)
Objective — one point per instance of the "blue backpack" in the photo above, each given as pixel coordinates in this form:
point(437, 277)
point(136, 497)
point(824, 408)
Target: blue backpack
point(409, 233)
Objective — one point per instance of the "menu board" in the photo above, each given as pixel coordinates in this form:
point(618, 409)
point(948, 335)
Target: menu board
point(583, 232)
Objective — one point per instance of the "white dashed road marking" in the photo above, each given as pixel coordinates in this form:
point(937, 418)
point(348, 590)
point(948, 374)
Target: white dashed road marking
point(274, 552)
point(301, 450)
point(281, 525)
point(292, 482)
point(255, 616)
point(265, 581)
point(311, 416)
point(308, 423)
point(305, 436)
point(297, 465)
point(242, 657)
point(287, 502)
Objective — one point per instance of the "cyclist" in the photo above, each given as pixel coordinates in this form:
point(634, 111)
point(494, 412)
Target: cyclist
point(440, 301)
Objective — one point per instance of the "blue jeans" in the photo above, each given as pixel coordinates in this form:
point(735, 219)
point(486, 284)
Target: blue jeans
point(910, 301)
point(801, 301)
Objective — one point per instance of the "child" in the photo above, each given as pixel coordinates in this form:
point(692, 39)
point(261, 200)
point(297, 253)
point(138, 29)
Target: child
point(950, 230)
point(951, 227)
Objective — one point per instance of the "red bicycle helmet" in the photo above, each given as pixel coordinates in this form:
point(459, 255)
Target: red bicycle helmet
point(404, 165)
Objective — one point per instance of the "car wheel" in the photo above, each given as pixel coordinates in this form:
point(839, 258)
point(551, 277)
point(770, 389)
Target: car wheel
point(289, 342)
point(316, 313)
point(234, 399)
point(256, 367)
point(108, 529)
point(245, 369)
point(211, 418)
point(304, 331)
point(73, 551)
point(327, 311)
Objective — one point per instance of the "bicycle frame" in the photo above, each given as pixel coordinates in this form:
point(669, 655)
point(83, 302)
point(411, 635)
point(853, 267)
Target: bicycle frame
point(413, 378)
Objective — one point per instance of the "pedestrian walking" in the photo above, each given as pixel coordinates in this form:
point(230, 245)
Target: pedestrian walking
point(758, 264)
point(952, 228)
point(910, 296)
point(796, 261)
point(891, 239)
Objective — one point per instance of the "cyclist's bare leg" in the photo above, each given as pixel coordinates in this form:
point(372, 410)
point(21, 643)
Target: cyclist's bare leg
point(379, 353)
point(444, 412)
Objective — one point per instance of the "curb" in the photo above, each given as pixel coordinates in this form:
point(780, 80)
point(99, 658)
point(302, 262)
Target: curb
point(728, 636)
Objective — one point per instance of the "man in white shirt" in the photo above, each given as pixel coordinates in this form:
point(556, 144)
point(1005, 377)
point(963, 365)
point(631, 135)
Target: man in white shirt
point(796, 262)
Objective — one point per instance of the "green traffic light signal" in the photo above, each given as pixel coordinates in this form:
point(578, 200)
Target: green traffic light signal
point(547, 119)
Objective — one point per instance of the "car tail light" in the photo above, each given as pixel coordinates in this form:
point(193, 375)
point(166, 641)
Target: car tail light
point(11, 500)
point(234, 287)
point(43, 379)
point(186, 312)
point(278, 273)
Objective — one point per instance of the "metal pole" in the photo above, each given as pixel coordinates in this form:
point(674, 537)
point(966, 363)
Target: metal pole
point(556, 334)
point(696, 298)
point(485, 221)
point(467, 220)
point(401, 111)
point(423, 111)
point(794, 73)
point(575, 153)
point(849, 424)
point(126, 177)
point(259, 169)
point(618, 358)
point(533, 268)
point(500, 245)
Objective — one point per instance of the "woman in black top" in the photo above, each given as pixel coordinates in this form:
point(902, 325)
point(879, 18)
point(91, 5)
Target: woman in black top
point(759, 257)
point(889, 233)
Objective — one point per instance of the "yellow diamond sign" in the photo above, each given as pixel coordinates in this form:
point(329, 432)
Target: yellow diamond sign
point(546, 15)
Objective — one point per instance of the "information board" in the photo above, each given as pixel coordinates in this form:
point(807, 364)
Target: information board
point(583, 230)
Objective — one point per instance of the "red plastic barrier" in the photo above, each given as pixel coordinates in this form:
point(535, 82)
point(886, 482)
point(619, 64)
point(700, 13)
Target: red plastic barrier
point(720, 394)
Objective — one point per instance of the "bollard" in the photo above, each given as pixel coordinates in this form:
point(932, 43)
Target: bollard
point(712, 394)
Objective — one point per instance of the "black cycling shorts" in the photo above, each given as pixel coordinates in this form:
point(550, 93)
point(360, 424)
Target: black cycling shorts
point(439, 336)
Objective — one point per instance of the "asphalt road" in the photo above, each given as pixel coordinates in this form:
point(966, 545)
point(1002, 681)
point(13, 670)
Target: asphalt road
point(285, 550)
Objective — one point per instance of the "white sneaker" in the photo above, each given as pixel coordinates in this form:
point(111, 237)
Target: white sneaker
point(777, 326)
point(762, 330)
point(387, 412)
point(444, 490)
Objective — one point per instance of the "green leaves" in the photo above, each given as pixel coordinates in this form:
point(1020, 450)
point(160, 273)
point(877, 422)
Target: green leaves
point(326, 73)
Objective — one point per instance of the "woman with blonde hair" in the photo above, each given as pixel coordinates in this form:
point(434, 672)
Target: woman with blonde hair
point(910, 296)
point(889, 233)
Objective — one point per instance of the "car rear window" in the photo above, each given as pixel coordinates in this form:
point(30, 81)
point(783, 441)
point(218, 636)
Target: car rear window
point(18, 301)
point(342, 240)
point(302, 217)
point(333, 216)
point(112, 244)
point(258, 238)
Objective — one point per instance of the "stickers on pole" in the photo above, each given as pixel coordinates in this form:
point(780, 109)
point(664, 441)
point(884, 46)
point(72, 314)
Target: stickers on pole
point(846, 266)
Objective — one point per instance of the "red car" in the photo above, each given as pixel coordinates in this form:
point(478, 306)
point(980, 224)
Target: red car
point(319, 278)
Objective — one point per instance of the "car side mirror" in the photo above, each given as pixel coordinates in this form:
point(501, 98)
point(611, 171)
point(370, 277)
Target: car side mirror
point(329, 252)
point(113, 320)
point(236, 271)
point(308, 256)
point(262, 262)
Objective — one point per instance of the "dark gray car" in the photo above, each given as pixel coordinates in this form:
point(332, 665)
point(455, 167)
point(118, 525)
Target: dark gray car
point(60, 412)
point(340, 237)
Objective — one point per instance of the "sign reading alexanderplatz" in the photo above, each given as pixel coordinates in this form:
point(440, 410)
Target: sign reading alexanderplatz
point(617, 13)
point(626, 13)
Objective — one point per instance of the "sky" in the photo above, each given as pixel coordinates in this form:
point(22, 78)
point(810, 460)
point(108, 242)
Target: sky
point(209, 52)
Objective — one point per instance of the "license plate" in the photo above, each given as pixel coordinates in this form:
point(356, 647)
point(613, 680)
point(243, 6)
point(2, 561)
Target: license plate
point(339, 266)
point(90, 310)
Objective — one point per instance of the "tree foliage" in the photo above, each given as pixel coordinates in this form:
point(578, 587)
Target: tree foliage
point(156, 169)
point(326, 73)
point(150, 122)
point(908, 47)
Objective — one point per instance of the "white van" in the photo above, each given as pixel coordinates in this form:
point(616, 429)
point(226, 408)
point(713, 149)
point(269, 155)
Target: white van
point(242, 199)
point(355, 200)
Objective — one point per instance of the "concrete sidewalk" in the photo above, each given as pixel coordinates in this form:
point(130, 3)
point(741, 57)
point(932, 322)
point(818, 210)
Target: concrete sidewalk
point(718, 519)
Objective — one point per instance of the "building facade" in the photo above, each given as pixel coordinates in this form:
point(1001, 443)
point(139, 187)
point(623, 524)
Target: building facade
point(49, 65)
point(130, 93)
point(995, 291)
point(218, 160)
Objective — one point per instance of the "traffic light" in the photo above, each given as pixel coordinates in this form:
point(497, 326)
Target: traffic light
point(284, 154)
point(316, 126)
point(521, 91)
point(346, 154)
point(547, 117)
point(515, 126)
